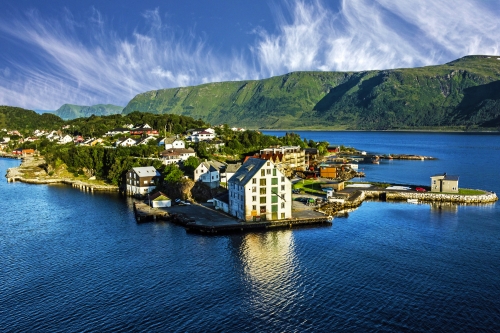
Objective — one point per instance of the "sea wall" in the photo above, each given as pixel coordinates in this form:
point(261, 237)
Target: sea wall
point(433, 197)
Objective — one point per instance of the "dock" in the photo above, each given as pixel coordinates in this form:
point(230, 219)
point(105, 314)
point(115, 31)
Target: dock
point(145, 213)
point(194, 227)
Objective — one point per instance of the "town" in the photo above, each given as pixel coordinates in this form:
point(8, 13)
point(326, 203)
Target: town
point(289, 182)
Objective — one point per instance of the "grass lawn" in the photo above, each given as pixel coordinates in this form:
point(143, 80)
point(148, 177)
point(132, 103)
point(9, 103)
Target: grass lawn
point(468, 191)
point(309, 186)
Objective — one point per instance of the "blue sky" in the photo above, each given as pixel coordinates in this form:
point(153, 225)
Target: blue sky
point(88, 52)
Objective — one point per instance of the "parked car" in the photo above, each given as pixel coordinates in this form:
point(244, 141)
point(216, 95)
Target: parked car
point(420, 189)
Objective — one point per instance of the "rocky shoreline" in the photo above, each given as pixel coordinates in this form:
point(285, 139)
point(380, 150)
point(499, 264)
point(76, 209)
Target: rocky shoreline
point(38, 175)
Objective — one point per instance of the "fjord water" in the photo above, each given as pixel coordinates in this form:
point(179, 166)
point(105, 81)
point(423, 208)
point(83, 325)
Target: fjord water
point(73, 261)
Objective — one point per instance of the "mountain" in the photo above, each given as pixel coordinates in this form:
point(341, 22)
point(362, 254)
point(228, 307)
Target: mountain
point(462, 94)
point(14, 118)
point(71, 111)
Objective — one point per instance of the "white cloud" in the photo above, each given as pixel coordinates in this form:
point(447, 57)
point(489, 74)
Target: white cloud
point(309, 35)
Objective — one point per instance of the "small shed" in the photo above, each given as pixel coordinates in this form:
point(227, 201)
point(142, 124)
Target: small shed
point(159, 199)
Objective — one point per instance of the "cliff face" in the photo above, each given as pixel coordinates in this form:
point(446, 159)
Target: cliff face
point(463, 93)
point(71, 111)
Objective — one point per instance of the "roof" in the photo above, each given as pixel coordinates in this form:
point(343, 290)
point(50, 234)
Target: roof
point(170, 140)
point(158, 196)
point(232, 168)
point(148, 171)
point(178, 150)
point(446, 176)
point(247, 171)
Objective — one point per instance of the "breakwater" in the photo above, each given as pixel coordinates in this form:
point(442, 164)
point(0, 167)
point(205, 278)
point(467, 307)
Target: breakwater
point(431, 196)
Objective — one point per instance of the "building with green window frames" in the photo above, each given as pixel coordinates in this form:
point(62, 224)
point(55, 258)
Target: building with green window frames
point(259, 191)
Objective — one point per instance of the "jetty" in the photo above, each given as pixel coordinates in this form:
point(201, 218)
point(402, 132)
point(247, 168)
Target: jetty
point(145, 213)
point(204, 219)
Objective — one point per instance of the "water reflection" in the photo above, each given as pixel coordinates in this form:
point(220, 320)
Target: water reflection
point(270, 267)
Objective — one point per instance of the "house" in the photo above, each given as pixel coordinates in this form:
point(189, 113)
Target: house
point(208, 174)
point(96, 141)
point(159, 199)
point(145, 140)
point(229, 171)
point(293, 157)
point(143, 129)
point(20, 151)
point(141, 180)
point(183, 153)
point(78, 139)
point(125, 142)
point(259, 191)
point(65, 139)
point(328, 171)
point(174, 143)
point(221, 202)
point(444, 183)
point(170, 157)
point(203, 134)
point(116, 131)
point(311, 154)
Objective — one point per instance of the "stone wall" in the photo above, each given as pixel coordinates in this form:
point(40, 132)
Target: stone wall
point(442, 197)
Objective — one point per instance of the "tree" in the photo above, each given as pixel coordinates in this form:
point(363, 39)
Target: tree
point(173, 174)
point(190, 164)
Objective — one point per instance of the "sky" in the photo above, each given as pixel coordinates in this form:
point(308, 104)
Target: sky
point(105, 52)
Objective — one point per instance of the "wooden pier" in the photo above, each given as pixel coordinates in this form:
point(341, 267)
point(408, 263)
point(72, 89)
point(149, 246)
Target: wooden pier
point(145, 213)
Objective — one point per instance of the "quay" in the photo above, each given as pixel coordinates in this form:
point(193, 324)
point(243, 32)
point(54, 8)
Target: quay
point(202, 219)
point(145, 213)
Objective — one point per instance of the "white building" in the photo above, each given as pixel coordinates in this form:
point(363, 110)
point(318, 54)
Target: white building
point(208, 174)
point(65, 139)
point(258, 191)
point(182, 153)
point(125, 142)
point(145, 140)
point(202, 135)
point(174, 143)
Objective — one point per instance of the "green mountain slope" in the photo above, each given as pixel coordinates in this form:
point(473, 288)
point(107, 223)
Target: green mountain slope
point(14, 118)
point(461, 94)
point(71, 111)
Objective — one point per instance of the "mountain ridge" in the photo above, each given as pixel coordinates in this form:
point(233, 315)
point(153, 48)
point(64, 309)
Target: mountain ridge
point(463, 93)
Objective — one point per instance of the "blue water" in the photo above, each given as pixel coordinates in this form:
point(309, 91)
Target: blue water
point(72, 261)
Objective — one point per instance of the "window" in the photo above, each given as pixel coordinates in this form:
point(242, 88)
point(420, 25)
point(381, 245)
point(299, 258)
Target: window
point(263, 173)
point(274, 190)
point(274, 208)
point(274, 181)
point(282, 179)
point(254, 198)
point(262, 209)
point(274, 199)
point(254, 180)
point(274, 172)
point(263, 182)
point(145, 182)
point(282, 205)
point(262, 200)
point(262, 190)
point(268, 171)
point(282, 187)
point(254, 207)
point(282, 215)
point(254, 188)
point(268, 163)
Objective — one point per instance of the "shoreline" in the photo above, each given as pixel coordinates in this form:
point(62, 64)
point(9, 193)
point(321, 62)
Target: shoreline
point(28, 162)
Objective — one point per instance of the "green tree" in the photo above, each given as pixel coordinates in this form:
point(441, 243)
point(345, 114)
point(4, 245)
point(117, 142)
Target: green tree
point(190, 164)
point(173, 174)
